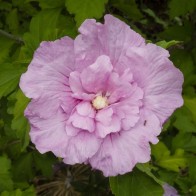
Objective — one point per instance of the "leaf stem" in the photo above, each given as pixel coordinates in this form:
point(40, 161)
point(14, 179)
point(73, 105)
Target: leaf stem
point(10, 36)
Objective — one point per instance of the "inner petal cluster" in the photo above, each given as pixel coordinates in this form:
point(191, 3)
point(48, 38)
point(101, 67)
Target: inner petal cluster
point(107, 102)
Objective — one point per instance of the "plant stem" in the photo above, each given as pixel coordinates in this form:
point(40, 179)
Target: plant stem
point(10, 36)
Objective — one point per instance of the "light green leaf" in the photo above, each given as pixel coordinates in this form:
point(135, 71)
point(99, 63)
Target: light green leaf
point(9, 77)
point(28, 192)
point(166, 45)
point(166, 160)
point(19, 122)
point(135, 183)
point(86, 9)
point(5, 176)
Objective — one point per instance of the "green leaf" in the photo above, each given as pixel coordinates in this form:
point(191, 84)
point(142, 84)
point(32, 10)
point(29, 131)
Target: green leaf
point(128, 7)
point(184, 120)
point(28, 192)
point(146, 168)
point(172, 32)
point(67, 26)
point(190, 103)
point(184, 61)
point(167, 176)
point(155, 17)
point(19, 122)
point(135, 183)
point(5, 48)
point(9, 77)
point(48, 161)
point(48, 4)
point(181, 7)
point(166, 160)
point(5, 176)
point(42, 28)
point(186, 141)
point(12, 21)
point(86, 9)
point(23, 168)
point(165, 44)
point(192, 169)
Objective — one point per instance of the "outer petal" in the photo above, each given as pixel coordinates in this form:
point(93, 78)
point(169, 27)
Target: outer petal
point(81, 148)
point(120, 152)
point(160, 80)
point(112, 39)
point(116, 37)
point(49, 70)
point(49, 134)
point(87, 46)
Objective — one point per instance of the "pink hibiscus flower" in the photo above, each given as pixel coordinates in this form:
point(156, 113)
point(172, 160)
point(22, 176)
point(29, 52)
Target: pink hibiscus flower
point(101, 98)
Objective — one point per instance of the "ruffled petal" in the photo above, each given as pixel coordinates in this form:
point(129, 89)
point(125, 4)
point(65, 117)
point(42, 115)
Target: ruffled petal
point(71, 130)
point(85, 109)
point(49, 70)
point(87, 46)
point(120, 152)
point(49, 134)
point(81, 147)
point(82, 122)
point(116, 37)
point(95, 77)
point(104, 116)
point(103, 130)
point(159, 79)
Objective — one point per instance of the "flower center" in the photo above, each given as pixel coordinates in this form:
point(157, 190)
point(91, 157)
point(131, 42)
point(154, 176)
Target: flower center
point(100, 102)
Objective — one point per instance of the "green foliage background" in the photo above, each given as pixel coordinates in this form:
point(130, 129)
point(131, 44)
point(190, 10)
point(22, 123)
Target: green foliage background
point(23, 25)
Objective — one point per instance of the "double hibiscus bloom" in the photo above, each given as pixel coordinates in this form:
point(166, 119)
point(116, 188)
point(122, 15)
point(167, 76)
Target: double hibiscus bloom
point(101, 98)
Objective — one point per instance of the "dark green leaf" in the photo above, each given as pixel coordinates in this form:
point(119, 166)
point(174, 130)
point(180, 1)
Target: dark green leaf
point(135, 183)
point(22, 169)
point(181, 7)
point(128, 7)
point(5, 176)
